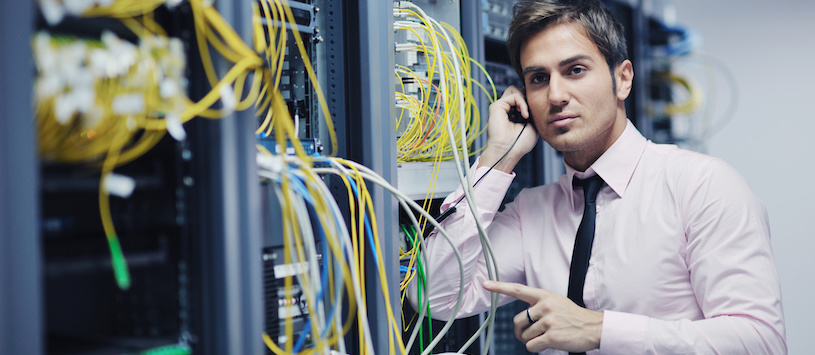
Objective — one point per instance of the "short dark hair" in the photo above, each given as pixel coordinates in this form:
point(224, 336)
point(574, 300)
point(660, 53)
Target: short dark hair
point(531, 17)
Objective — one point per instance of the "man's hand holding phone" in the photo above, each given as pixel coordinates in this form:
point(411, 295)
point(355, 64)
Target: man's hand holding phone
point(505, 126)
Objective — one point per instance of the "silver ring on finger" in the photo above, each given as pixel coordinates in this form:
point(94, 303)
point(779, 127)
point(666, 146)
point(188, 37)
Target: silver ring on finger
point(529, 317)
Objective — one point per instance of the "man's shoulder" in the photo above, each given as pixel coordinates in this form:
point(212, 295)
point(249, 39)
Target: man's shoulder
point(682, 167)
point(675, 160)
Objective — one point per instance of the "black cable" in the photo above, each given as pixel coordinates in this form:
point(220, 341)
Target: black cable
point(451, 210)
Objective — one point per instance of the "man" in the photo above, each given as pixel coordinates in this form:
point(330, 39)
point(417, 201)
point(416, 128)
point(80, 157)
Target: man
point(679, 260)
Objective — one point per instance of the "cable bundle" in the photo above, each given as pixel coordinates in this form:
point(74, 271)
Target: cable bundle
point(107, 102)
point(358, 172)
point(297, 185)
point(455, 92)
point(303, 197)
point(118, 99)
point(455, 106)
point(55, 10)
point(277, 15)
point(94, 97)
point(436, 86)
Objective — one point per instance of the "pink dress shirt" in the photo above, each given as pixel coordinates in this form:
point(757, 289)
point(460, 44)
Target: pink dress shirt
point(681, 262)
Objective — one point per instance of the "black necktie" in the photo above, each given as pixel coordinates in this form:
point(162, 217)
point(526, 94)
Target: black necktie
point(584, 240)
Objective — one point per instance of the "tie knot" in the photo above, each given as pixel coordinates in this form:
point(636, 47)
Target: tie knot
point(591, 186)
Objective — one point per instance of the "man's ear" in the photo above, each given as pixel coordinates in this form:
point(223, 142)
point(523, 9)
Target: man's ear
point(624, 74)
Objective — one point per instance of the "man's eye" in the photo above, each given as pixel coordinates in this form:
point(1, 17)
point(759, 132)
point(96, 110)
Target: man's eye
point(538, 78)
point(577, 70)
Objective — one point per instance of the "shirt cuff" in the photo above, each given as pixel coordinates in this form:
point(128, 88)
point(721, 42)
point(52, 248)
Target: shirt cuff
point(623, 333)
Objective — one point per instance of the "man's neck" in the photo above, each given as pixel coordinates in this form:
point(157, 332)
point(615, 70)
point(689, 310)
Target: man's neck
point(583, 158)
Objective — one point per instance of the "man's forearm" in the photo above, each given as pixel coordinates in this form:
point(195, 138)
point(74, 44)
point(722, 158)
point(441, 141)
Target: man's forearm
point(492, 155)
point(442, 267)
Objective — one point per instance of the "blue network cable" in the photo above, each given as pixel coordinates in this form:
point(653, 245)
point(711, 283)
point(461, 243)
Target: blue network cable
point(323, 285)
point(690, 39)
point(368, 230)
point(300, 187)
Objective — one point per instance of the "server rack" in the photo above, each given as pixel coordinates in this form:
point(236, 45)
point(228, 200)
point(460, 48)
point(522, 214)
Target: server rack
point(188, 232)
point(221, 196)
point(20, 257)
point(230, 224)
point(367, 123)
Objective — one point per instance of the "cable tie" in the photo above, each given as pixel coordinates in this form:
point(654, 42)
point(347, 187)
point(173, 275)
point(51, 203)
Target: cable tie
point(48, 85)
point(175, 127)
point(84, 97)
point(171, 4)
point(119, 185)
point(52, 11)
point(273, 163)
point(77, 7)
point(168, 88)
point(127, 104)
point(45, 58)
point(123, 54)
point(64, 108)
point(228, 99)
point(445, 214)
point(176, 48)
point(99, 59)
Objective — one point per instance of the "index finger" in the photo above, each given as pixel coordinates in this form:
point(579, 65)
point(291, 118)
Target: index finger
point(513, 96)
point(521, 292)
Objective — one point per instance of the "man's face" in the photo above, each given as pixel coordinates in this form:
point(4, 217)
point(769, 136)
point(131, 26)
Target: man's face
point(570, 92)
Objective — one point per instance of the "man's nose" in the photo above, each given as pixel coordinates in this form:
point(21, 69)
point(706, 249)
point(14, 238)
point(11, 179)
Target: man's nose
point(558, 93)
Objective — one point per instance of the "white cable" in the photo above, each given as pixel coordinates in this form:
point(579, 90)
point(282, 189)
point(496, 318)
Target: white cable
point(331, 231)
point(298, 206)
point(324, 193)
point(318, 320)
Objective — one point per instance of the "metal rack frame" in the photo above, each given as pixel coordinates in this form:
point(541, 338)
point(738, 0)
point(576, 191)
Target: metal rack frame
point(20, 256)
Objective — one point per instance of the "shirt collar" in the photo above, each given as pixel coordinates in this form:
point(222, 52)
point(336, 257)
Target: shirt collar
point(616, 166)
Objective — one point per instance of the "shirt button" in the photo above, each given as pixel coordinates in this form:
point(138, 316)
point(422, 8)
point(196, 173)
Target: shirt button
point(592, 262)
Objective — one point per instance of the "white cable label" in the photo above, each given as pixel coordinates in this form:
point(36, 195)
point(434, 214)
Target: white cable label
point(281, 271)
point(119, 185)
point(175, 128)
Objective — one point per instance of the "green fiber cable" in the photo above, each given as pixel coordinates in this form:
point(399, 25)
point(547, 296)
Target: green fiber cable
point(168, 350)
point(119, 264)
point(421, 324)
point(407, 233)
point(423, 284)
point(418, 289)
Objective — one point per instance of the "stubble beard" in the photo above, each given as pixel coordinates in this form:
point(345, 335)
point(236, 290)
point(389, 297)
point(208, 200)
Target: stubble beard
point(562, 144)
